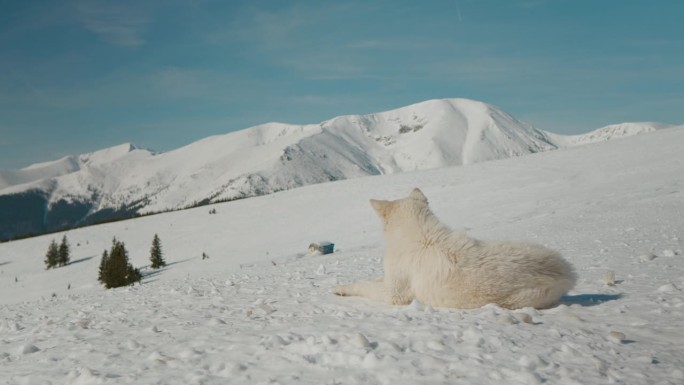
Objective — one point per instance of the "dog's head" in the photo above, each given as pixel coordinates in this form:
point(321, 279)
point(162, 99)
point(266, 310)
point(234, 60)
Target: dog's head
point(403, 208)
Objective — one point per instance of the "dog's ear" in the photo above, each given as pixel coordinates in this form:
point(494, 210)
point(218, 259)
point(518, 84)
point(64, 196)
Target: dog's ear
point(381, 207)
point(417, 194)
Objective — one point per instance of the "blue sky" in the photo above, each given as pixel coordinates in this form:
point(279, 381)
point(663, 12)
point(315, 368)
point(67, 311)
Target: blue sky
point(80, 75)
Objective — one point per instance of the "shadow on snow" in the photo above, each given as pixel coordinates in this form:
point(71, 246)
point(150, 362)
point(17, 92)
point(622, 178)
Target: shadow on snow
point(149, 272)
point(79, 260)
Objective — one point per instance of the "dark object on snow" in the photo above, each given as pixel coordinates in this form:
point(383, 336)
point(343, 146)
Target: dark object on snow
point(323, 247)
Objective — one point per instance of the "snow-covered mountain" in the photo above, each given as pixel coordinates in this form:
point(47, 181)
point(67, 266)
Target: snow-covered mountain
point(42, 172)
point(123, 181)
point(612, 131)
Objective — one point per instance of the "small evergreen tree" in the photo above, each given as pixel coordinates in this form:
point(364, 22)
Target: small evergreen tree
point(52, 256)
point(117, 266)
point(156, 256)
point(133, 274)
point(102, 273)
point(115, 269)
point(64, 252)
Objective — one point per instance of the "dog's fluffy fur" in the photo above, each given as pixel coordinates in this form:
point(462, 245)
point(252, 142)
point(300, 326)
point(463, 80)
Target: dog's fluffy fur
point(426, 261)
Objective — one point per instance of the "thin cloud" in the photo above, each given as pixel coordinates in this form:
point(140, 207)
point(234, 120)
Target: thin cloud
point(271, 30)
point(328, 66)
point(531, 3)
point(312, 100)
point(137, 87)
point(312, 41)
point(294, 27)
point(370, 44)
point(114, 23)
point(286, 39)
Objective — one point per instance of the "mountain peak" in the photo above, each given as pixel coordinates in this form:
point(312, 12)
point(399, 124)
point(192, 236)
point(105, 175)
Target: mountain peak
point(108, 154)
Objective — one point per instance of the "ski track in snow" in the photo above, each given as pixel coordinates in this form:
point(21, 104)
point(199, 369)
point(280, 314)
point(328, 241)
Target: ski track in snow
point(610, 208)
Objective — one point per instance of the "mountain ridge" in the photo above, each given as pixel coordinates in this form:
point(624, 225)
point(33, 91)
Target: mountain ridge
point(124, 180)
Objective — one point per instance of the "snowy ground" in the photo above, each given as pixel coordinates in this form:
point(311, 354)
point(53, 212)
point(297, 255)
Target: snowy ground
point(259, 310)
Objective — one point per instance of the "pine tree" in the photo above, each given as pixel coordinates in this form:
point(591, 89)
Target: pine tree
point(64, 252)
point(115, 269)
point(102, 273)
point(52, 256)
point(133, 274)
point(117, 266)
point(156, 256)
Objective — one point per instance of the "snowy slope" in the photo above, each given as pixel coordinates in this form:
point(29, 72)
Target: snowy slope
point(123, 181)
point(259, 310)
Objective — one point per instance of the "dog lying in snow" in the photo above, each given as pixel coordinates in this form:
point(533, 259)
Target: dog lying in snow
point(426, 261)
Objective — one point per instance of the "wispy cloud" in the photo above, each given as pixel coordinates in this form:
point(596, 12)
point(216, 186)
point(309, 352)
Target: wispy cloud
point(328, 66)
point(114, 23)
point(531, 3)
point(370, 44)
point(310, 40)
point(315, 100)
point(267, 29)
point(272, 29)
point(131, 88)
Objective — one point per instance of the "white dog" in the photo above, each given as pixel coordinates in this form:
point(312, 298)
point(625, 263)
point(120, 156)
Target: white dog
point(427, 261)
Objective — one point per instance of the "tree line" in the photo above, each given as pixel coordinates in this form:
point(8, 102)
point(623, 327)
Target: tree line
point(115, 269)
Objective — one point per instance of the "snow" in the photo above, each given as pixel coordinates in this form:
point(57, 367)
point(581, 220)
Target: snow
point(260, 309)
